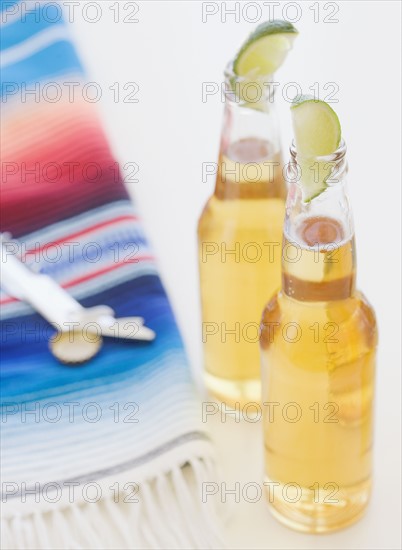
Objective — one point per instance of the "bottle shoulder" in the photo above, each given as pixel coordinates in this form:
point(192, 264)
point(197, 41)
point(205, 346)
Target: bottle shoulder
point(342, 323)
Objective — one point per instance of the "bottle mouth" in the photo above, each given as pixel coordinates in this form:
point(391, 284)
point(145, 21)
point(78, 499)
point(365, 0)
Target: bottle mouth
point(336, 156)
point(337, 159)
point(231, 75)
point(249, 89)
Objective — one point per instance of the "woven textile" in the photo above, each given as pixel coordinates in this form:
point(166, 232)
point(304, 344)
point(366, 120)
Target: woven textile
point(78, 442)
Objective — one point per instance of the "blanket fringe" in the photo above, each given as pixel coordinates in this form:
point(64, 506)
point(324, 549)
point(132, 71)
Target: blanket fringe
point(168, 513)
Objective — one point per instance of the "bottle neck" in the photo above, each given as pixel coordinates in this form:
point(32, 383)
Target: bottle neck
point(318, 257)
point(250, 162)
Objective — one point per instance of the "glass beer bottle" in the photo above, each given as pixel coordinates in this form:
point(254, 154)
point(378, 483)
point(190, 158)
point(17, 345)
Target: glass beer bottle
point(240, 236)
point(318, 345)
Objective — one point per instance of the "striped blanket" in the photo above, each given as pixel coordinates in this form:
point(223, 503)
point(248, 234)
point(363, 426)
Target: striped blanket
point(110, 454)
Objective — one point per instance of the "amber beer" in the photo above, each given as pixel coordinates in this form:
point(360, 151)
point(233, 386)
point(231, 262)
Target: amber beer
point(318, 345)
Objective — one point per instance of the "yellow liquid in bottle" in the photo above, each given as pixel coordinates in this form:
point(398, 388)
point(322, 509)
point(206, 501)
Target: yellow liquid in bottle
point(240, 238)
point(318, 345)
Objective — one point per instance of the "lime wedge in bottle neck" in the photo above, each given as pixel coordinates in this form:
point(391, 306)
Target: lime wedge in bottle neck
point(317, 134)
point(261, 55)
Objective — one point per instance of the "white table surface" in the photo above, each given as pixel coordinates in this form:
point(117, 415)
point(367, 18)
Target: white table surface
point(170, 132)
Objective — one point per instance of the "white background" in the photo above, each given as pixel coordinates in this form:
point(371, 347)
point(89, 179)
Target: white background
point(170, 132)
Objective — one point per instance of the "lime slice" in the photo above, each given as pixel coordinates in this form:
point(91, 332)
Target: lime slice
point(317, 134)
point(316, 127)
point(265, 49)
